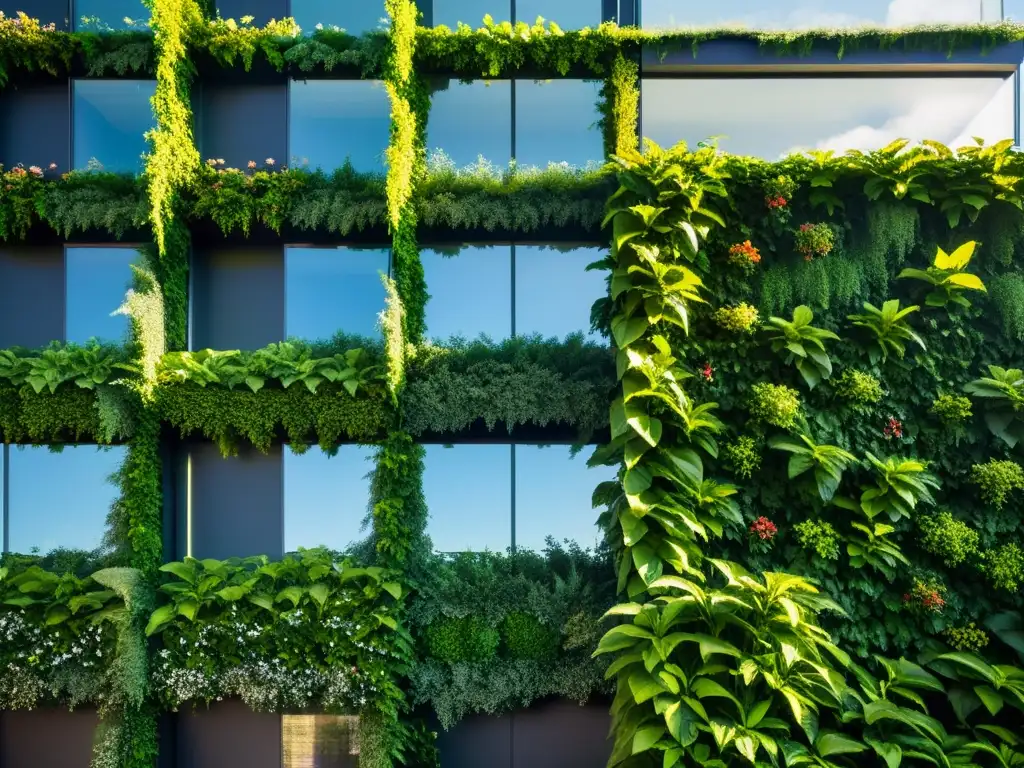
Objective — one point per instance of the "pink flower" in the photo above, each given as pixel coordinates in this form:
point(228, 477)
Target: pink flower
point(53, 166)
point(252, 163)
point(893, 428)
point(35, 170)
point(708, 372)
point(269, 161)
point(763, 528)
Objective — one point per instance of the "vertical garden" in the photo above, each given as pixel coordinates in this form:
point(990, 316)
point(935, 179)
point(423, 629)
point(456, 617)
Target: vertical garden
point(810, 393)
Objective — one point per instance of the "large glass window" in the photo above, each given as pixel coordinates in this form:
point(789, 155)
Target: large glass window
point(472, 12)
point(355, 16)
point(326, 497)
point(470, 292)
point(324, 741)
point(772, 117)
point(334, 121)
point(471, 120)
point(468, 489)
point(59, 500)
point(554, 290)
point(557, 122)
point(96, 281)
point(107, 15)
point(109, 122)
point(1013, 10)
point(333, 289)
point(553, 496)
point(796, 14)
point(568, 14)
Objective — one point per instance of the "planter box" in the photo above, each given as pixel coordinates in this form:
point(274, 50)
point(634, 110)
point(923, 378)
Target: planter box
point(54, 738)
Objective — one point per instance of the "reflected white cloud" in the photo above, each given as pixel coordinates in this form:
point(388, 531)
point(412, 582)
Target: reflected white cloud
point(904, 13)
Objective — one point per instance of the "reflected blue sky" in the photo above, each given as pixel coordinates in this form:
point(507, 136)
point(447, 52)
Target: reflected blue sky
point(96, 282)
point(554, 292)
point(826, 113)
point(468, 120)
point(326, 497)
point(354, 16)
point(469, 494)
point(472, 12)
point(1013, 9)
point(334, 120)
point(333, 289)
point(99, 15)
point(60, 499)
point(556, 121)
point(568, 14)
point(792, 14)
point(470, 293)
point(109, 122)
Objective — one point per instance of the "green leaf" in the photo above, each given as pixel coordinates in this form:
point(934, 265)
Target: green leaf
point(231, 593)
point(393, 588)
point(645, 687)
point(966, 280)
point(291, 594)
point(626, 330)
point(160, 617)
point(319, 593)
point(647, 737)
point(829, 744)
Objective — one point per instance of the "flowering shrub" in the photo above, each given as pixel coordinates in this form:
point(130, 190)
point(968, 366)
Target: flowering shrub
point(814, 240)
point(1005, 567)
point(298, 633)
point(952, 409)
point(997, 480)
point(707, 373)
point(761, 534)
point(925, 596)
point(777, 194)
point(819, 537)
point(946, 537)
point(968, 638)
point(893, 428)
point(745, 256)
point(742, 457)
point(775, 404)
point(858, 387)
point(739, 319)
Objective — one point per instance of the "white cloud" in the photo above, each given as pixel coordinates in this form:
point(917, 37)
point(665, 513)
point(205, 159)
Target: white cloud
point(904, 13)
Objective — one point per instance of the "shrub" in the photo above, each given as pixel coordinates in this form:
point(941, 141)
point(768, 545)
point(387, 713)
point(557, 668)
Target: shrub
point(815, 240)
point(775, 404)
point(819, 537)
point(859, 388)
point(742, 457)
point(968, 638)
point(1004, 567)
point(743, 318)
point(466, 638)
point(946, 537)
point(526, 638)
point(952, 409)
point(997, 480)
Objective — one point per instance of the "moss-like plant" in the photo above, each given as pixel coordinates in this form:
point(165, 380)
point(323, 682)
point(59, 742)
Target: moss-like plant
point(952, 410)
point(742, 457)
point(859, 388)
point(819, 537)
point(948, 538)
point(1004, 567)
point(742, 318)
point(997, 480)
point(467, 638)
point(774, 404)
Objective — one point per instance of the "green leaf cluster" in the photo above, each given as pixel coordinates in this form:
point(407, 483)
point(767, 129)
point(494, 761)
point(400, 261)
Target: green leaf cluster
point(997, 480)
point(774, 404)
point(948, 538)
point(859, 388)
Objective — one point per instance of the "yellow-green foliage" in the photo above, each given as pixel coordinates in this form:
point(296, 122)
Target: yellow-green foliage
point(775, 404)
point(997, 480)
point(819, 537)
point(968, 638)
point(1004, 567)
point(69, 415)
point(952, 409)
point(742, 457)
point(948, 538)
point(859, 387)
point(625, 106)
point(743, 318)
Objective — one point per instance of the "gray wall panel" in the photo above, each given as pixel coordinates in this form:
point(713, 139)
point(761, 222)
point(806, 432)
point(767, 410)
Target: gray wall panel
point(50, 738)
point(31, 296)
point(237, 503)
point(240, 122)
point(229, 734)
point(35, 126)
point(238, 298)
point(561, 734)
point(477, 741)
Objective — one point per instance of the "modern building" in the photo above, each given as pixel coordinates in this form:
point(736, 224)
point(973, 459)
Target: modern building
point(486, 490)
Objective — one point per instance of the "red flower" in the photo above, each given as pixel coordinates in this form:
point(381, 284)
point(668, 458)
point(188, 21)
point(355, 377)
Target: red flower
point(774, 203)
point(763, 528)
point(708, 372)
point(893, 428)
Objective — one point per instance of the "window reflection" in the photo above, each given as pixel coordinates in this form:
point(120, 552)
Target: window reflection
point(1013, 10)
point(60, 500)
point(328, 290)
point(468, 489)
point(323, 741)
point(819, 113)
point(554, 290)
point(472, 12)
point(470, 293)
point(472, 120)
point(553, 492)
point(326, 497)
point(796, 14)
point(110, 119)
point(556, 122)
point(568, 14)
point(107, 15)
point(355, 16)
point(331, 121)
point(96, 281)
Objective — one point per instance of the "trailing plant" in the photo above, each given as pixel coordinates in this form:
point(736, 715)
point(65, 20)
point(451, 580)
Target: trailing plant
point(888, 329)
point(803, 344)
point(774, 404)
point(997, 480)
point(827, 461)
point(1003, 389)
point(947, 277)
point(859, 388)
point(948, 538)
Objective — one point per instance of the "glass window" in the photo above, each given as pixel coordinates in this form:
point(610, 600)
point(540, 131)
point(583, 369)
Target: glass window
point(110, 120)
point(96, 281)
point(553, 493)
point(1013, 10)
point(472, 12)
point(324, 741)
point(568, 14)
point(471, 120)
point(554, 290)
point(331, 121)
point(796, 14)
point(470, 293)
point(107, 15)
point(468, 489)
point(326, 497)
point(770, 118)
point(557, 122)
point(355, 16)
point(60, 500)
point(333, 289)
